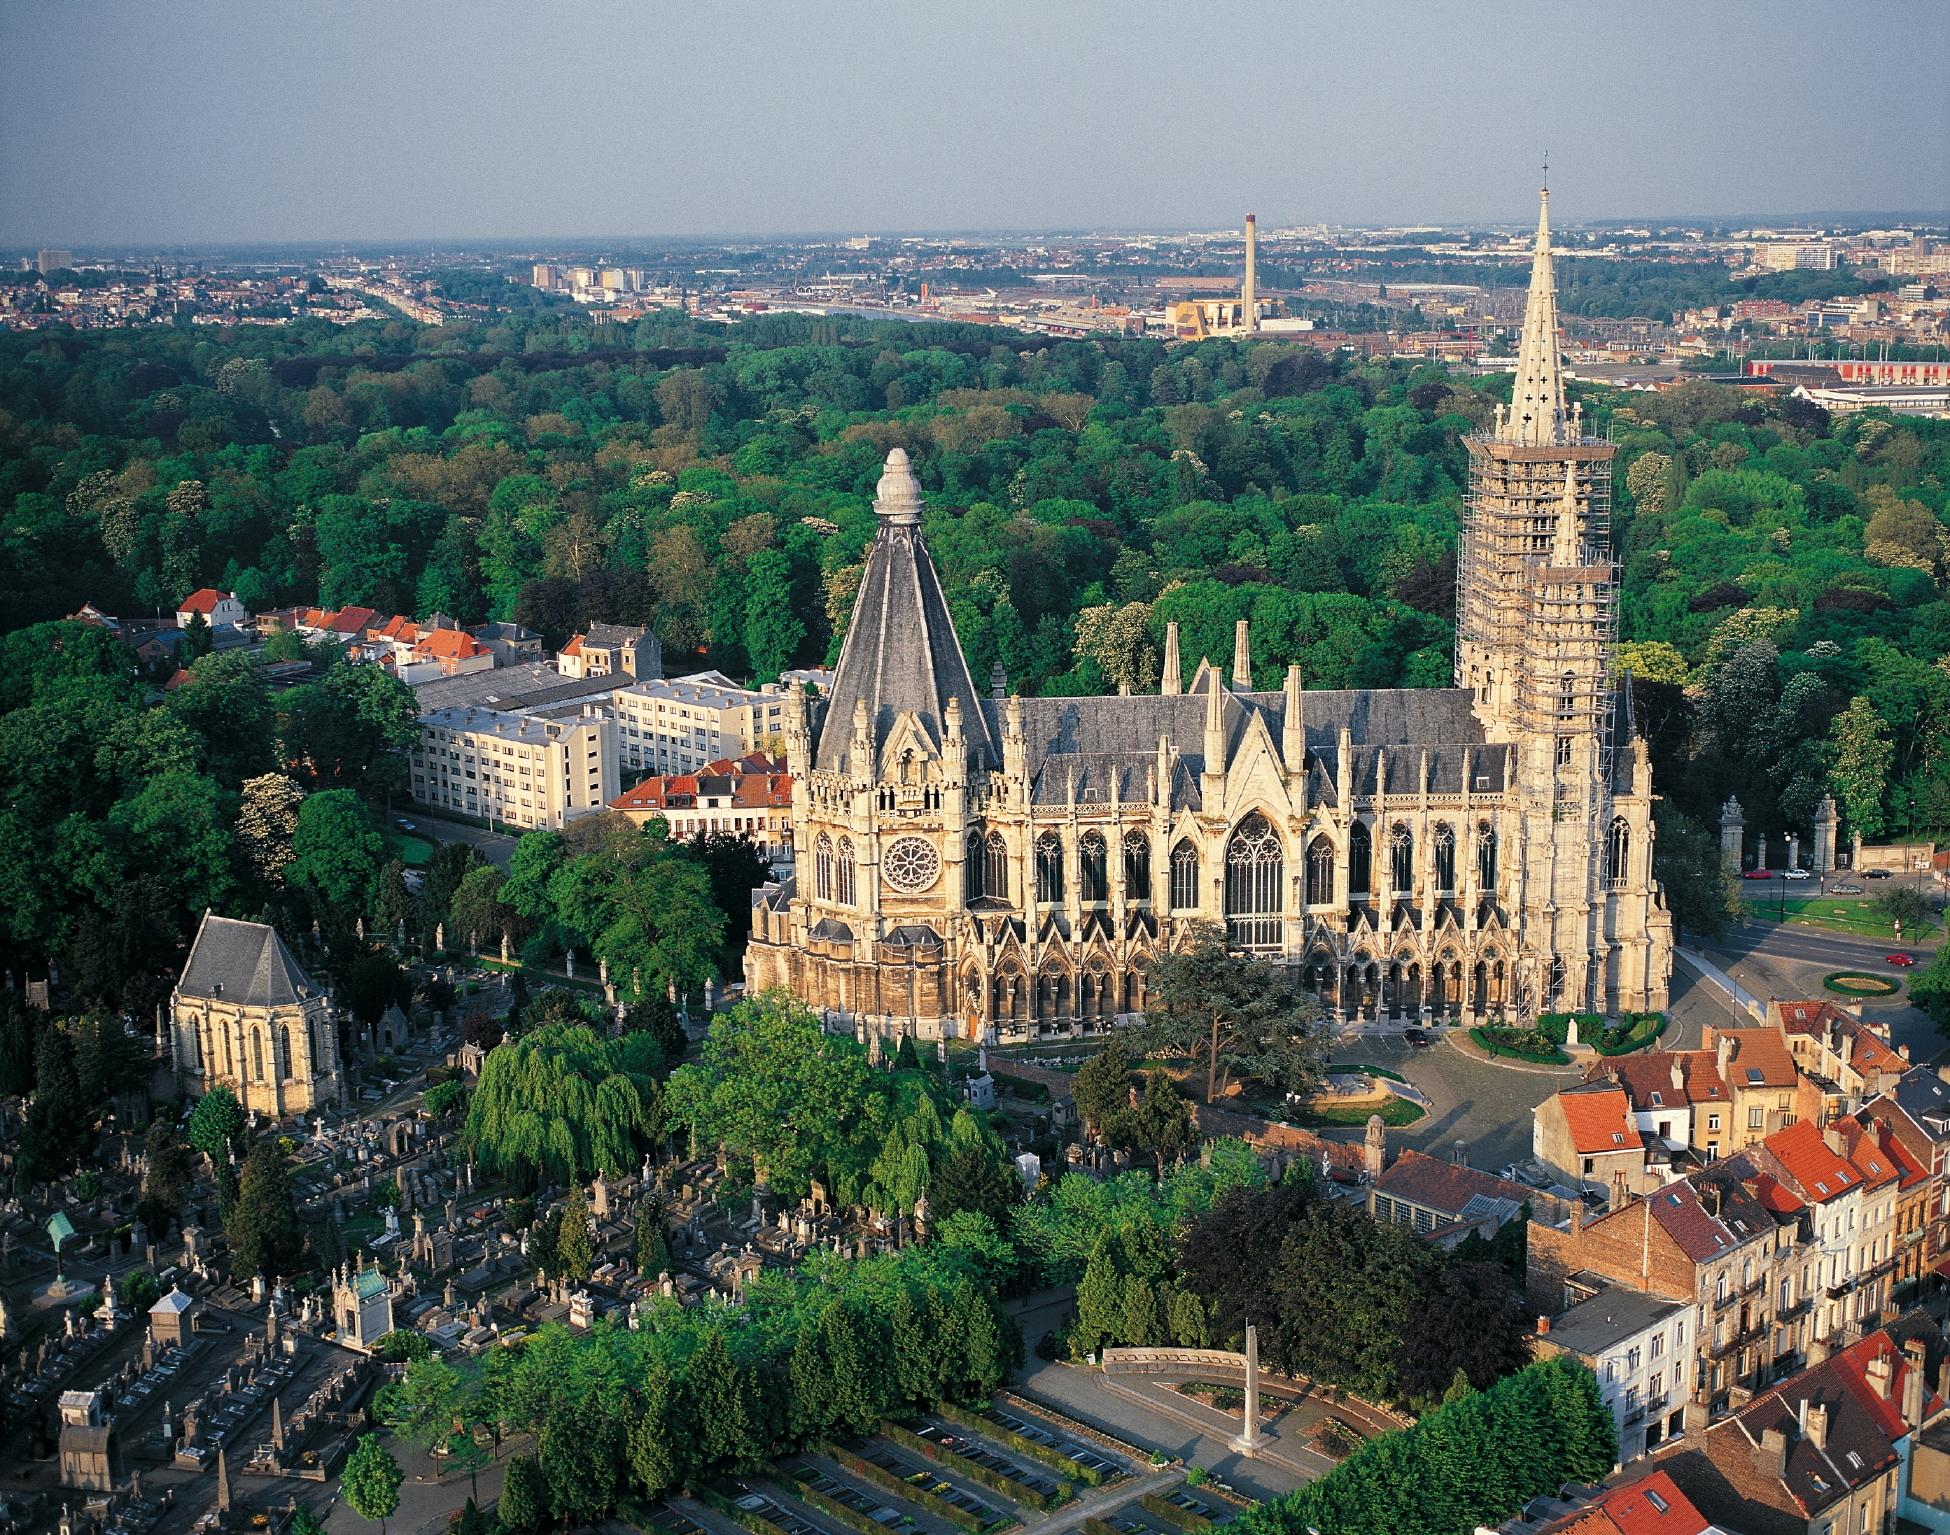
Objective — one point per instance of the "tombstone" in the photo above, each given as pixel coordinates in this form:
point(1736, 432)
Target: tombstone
point(569, 964)
point(440, 937)
point(392, 1223)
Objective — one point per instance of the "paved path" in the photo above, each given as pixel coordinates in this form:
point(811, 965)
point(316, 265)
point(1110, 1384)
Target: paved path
point(496, 847)
point(1083, 1394)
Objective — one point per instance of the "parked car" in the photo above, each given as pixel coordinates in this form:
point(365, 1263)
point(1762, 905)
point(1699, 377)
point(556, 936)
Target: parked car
point(1902, 961)
point(406, 825)
point(1845, 889)
point(1877, 874)
point(1758, 874)
point(1419, 1038)
point(1796, 874)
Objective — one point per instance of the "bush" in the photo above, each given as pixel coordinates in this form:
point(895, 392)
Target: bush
point(961, 1465)
point(757, 1524)
point(1634, 1031)
point(886, 1481)
point(1182, 1518)
point(1519, 1044)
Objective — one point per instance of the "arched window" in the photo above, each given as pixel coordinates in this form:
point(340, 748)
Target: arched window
point(1360, 859)
point(1401, 860)
point(974, 867)
point(290, 1055)
point(1255, 870)
point(1555, 983)
point(1137, 868)
point(845, 871)
point(1445, 857)
point(1184, 876)
point(1049, 868)
point(257, 1055)
point(1486, 857)
point(823, 867)
point(1618, 854)
point(1320, 872)
point(1567, 696)
point(995, 877)
point(1093, 869)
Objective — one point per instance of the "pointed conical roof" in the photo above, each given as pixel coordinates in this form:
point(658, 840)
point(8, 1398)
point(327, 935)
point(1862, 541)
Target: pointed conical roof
point(1537, 416)
point(901, 654)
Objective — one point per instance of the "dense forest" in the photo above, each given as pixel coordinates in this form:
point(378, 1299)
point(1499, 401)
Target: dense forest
point(1784, 610)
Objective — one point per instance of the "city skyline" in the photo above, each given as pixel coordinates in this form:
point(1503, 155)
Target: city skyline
point(497, 124)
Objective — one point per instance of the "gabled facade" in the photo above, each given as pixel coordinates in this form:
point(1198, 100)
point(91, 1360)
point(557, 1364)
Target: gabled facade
point(973, 863)
point(246, 1015)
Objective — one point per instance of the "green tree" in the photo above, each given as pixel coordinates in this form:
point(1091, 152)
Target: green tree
point(263, 1229)
point(565, 1103)
point(1162, 1121)
point(773, 627)
point(1863, 755)
point(335, 854)
point(727, 1418)
point(524, 1496)
point(1241, 1015)
point(217, 1124)
point(59, 1121)
point(1102, 1090)
point(575, 1253)
point(1100, 1301)
point(168, 1177)
point(660, 1433)
point(371, 1480)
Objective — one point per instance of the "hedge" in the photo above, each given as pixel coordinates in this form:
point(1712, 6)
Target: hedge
point(851, 1517)
point(1022, 1444)
point(995, 1481)
point(1095, 1526)
point(1486, 1038)
point(1184, 1518)
point(886, 1481)
point(1638, 1031)
point(758, 1524)
point(1859, 983)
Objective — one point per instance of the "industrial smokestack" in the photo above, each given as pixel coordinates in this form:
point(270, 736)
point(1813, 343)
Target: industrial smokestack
point(1251, 295)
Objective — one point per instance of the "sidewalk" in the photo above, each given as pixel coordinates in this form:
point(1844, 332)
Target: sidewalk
point(1742, 999)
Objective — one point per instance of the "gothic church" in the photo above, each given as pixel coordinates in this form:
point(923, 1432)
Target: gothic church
point(997, 867)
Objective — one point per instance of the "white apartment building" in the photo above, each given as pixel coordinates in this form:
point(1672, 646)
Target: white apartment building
point(681, 724)
point(518, 771)
point(1636, 1345)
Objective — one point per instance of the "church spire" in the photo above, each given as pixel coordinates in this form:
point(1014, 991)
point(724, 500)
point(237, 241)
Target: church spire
point(901, 655)
point(1537, 416)
point(1567, 543)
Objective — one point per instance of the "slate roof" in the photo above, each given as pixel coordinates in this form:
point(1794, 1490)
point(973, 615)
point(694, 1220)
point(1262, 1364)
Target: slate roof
point(1925, 1098)
point(246, 963)
point(1593, 1327)
point(1449, 1187)
point(901, 653)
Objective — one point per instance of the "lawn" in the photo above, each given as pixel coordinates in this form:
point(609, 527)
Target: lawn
point(410, 850)
point(1394, 1112)
point(1363, 1066)
point(1844, 914)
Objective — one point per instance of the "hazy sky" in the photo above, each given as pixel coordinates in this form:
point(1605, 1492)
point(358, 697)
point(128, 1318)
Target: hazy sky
point(236, 120)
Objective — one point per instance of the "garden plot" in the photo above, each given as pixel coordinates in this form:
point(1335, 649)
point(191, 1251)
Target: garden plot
point(930, 1487)
point(1053, 1436)
point(759, 1505)
point(1045, 1488)
point(872, 1508)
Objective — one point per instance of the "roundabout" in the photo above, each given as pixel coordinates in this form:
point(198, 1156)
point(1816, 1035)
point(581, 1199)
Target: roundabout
point(1860, 983)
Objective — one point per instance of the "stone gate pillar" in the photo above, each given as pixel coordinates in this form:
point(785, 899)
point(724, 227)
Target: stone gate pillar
point(1733, 832)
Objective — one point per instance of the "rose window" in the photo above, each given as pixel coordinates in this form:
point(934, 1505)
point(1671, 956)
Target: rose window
point(910, 863)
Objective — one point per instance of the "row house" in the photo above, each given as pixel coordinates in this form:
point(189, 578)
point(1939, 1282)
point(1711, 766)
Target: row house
point(1914, 1122)
point(1639, 1347)
point(749, 796)
point(1764, 1089)
point(1854, 1444)
point(1846, 1059)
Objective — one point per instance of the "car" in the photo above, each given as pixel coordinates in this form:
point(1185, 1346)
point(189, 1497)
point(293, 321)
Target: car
point(1796, 874)
point(1877, 874)
point(406, 825)
point(1845, 889)
point(1419, 1038)
point(1901, 961)
point(1758, 874)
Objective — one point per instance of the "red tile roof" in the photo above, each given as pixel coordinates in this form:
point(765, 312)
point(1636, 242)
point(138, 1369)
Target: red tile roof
point(1435, 1184)
point(450, 645)
point(203, 600)
point(1816, 1171)
point(1598, 1120)
point(1757, 1051)
point(1651, 1505)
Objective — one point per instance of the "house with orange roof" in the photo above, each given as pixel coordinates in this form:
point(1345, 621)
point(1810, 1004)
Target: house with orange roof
point(1587, 1135)
point(214, 607)
point(1846, 1058)
point(1764, 1085)
point(1850, 1196)
point(1645, 1503)
point(435, 653)
point(748, 796)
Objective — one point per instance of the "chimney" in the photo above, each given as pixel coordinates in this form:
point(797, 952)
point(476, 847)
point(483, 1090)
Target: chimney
point(1815, 1424)
point(1831, 1134)
point(1723, 1053)
point(1678, 1074)
point(1770, 1455)
point(1250, 297)
point(1915, 1361)
point(1880, 1372)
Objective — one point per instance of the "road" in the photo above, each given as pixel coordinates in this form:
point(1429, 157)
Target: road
point(496, 847)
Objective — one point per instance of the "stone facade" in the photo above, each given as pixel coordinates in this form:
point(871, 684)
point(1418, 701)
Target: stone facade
point(247, 1015)
point(992, 865)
